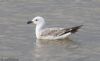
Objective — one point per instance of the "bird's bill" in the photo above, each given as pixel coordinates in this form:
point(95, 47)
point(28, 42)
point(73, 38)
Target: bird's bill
point(29, 22)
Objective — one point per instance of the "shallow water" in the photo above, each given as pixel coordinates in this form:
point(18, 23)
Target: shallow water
point(18, 42)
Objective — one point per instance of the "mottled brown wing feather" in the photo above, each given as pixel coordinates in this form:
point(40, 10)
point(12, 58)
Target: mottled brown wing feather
point(53, 32)
point(59, 31)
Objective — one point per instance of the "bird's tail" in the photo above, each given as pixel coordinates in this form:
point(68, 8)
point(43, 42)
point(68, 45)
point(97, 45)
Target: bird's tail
point(75, 29)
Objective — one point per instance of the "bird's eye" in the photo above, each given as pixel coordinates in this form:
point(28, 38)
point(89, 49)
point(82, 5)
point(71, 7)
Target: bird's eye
point(36, 20)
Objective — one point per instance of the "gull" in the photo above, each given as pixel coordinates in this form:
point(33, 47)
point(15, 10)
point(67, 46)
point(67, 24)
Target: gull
point(53, 33)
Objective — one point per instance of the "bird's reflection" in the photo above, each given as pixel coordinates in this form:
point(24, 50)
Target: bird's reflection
point(61, 42)
point(48, 48)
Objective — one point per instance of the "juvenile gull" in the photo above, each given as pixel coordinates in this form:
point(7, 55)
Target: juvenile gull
point(51, 33)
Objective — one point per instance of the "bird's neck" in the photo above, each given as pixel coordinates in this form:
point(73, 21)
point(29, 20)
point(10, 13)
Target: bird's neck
point(39, 28)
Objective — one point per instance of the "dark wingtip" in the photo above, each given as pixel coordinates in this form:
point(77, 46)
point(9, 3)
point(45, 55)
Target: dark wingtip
point(29, 22)
point(75, 29)
point(72, 29)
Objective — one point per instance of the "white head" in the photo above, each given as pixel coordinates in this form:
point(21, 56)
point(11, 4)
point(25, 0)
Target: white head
point(37, 20)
